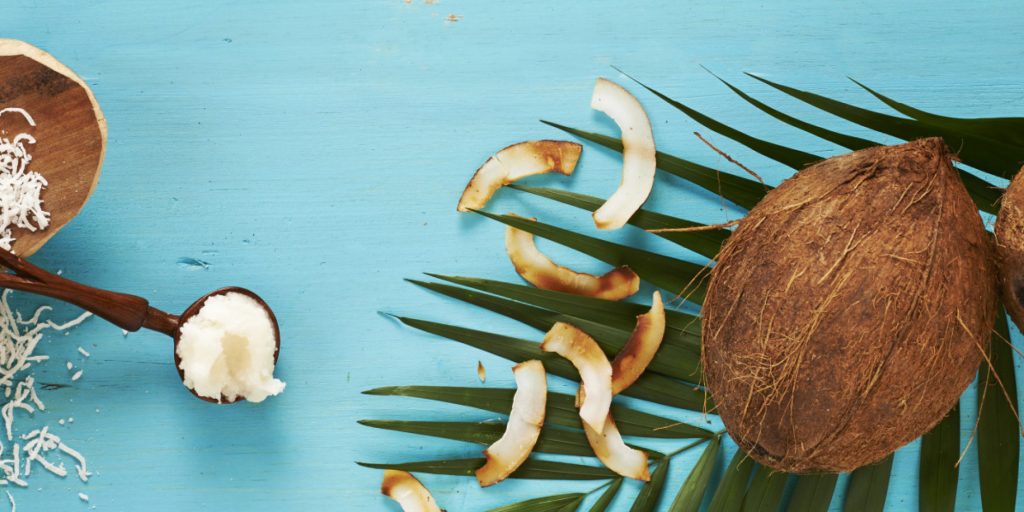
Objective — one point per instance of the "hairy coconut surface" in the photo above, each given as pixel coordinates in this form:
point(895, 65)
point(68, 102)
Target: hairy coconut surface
point(1010, 249)
point(848, 311)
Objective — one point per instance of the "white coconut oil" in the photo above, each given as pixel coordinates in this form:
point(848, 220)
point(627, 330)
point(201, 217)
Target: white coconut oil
point(227, 350)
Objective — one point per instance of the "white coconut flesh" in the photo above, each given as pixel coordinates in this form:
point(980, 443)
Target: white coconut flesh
point(613, 452)
point(539, 270)
point(523, 428)
point(592, 364)
point(631, 362)
point(515, 162)
point(410, 494)
point(638, 154)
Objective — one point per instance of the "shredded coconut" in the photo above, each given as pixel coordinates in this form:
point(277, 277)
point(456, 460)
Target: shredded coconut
point(83, 352)
point(21, 204)
point(20, 454)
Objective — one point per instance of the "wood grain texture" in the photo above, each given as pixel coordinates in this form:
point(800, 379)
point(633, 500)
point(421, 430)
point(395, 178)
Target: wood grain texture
point(313, 151)
point(70, 133)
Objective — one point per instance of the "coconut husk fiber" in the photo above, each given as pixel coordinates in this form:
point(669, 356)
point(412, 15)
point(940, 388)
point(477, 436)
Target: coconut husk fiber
point(848, 311)
point(1010, 249)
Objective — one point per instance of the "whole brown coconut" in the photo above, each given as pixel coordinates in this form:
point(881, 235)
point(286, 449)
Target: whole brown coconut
point(1010, 249)
point(848, 312)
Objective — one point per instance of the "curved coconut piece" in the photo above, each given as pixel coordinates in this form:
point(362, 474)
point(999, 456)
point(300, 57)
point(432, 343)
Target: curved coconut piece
point(1010, 249)
point(523, 428)
point(848, 311)
point(408, 492)
point(638, 154)
point(516, 162)
point(540, 271)
point(595, 371)
point(612, 451)
point(631, 362)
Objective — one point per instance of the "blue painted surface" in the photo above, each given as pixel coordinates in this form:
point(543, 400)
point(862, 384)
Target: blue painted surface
point(314, 151)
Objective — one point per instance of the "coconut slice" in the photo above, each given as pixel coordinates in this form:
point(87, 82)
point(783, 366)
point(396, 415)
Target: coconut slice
point(408, 492)
point(595, 370)
point(516, 162)
point(612, 451)
point(524, 423)
point(638, 154)
point(540, 271)
point(631, 362)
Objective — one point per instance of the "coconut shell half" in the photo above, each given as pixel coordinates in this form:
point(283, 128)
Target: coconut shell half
point(848, 311)
point(1010, 249)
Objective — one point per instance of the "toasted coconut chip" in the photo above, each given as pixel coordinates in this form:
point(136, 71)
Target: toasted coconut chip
point(631, 362)
point(516, 162)
point(595, 370)
point(481, 372)
point(613, 452)
point(638, 154)
point(408, 492)
point(540, 271)
point(524, 424)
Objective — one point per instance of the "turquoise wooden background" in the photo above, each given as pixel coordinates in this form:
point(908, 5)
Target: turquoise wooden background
point(314, 151)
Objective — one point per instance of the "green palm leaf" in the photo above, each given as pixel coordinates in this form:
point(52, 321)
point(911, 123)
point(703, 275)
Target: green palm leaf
point(679, 326)
point(555, 503)
point(733, 487)
point(1007, 130)
point(868, 487)
point(812, 493)
point(790, 157)
point(650, 386)
point(766, 488)
point(706, 242)
point(737, 189)
point(561, 409)
point(993, 157)
point(552, 440)
point(691, 494)
point(674, 275)
point(532, 469)
point(846, 141)
point(998, 434)
point(607, 496)
point(984, 194)
point(938, 470)
point(650, 493)
point(675, 358)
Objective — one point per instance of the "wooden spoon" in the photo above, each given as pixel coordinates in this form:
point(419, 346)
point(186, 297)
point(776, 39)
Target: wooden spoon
point(128, 312)
point(69, 129)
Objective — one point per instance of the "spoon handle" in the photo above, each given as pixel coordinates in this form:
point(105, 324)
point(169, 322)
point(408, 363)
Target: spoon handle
point(126, 311)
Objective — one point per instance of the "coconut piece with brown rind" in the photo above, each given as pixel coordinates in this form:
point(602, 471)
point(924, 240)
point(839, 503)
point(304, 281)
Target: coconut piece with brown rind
point(515, 162)
point(410, 494)
point(849, 310)
point(613, 452)
point(525, 420)
point(639, 160)
point(631, 362)
point(537, 269)
point(595, 371)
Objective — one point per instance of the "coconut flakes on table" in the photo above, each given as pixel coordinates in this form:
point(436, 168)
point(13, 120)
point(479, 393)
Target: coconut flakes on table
point(19, 338)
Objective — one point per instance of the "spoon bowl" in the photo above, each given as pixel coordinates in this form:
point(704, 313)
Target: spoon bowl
point(194, 310)
point(129, 312)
